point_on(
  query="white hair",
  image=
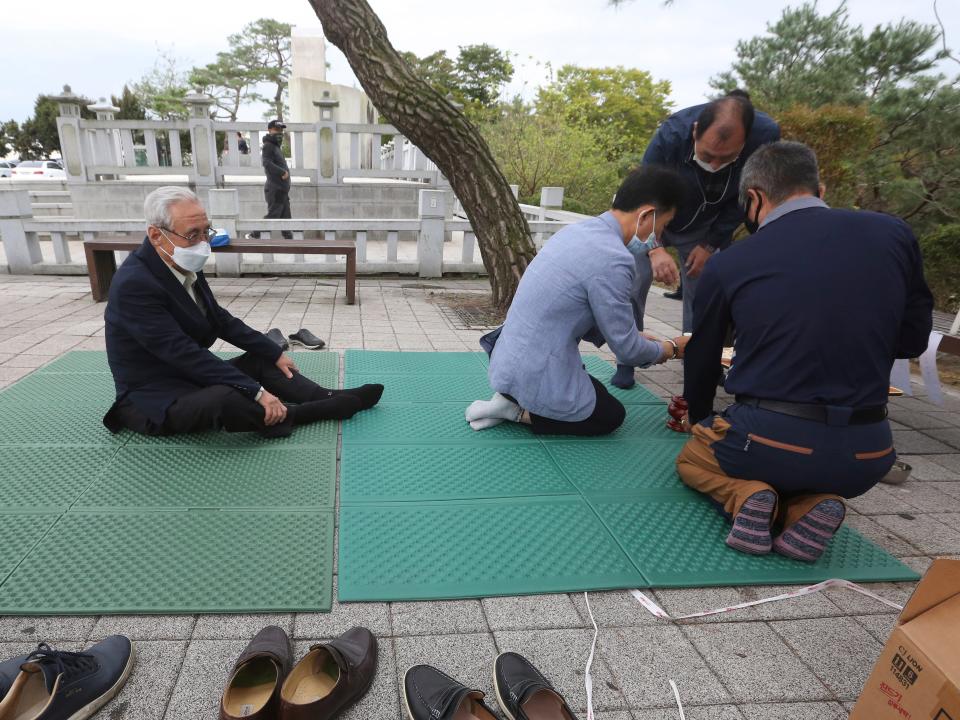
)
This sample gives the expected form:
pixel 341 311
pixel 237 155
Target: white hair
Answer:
pixel 156 206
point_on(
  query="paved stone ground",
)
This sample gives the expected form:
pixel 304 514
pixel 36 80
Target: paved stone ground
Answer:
pixel 804 658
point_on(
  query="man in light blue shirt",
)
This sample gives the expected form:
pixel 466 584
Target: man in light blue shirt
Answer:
pixel 581 280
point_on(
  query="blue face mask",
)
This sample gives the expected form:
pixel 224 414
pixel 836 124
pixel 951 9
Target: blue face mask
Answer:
pixel 638 247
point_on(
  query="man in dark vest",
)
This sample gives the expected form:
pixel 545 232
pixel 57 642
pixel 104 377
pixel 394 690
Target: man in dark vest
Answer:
pixel 276 190
pixel 821 302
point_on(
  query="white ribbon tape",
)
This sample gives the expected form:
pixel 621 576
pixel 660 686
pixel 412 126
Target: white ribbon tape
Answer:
pixel 587 677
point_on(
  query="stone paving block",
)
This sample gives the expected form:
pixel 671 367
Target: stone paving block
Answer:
pixel 754 663
pixel 795 711
pixel 882 536
pixel 382 700
pixel 927 497
pixel 613 608
pixel 914 441
pixel 531 611
pixel 466 658
pixel 925 532
pixel 919 420
pixel 839 651
pixel 950 436
pixel 145 627
pixel 437 617
pixel 853 603
pixel 238 627
pixel 15 649
pixel 203 675
pixel 148 688
pixel 643 659
pixel 373 616
pixel 879 626
pixel 879 500
pixel 949 461
pixel 38 629
pixel 685 601
pixel 808 606
pixel 561 655
pixel 707 712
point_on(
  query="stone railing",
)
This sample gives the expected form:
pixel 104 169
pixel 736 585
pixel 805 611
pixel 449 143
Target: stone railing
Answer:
pixel 429 245
pixel 203 152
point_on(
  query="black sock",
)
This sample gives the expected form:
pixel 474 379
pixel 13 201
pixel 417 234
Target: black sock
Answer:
pixel 369 395
pixel 337 407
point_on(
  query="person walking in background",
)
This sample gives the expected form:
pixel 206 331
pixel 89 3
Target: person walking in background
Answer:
pixel 276 190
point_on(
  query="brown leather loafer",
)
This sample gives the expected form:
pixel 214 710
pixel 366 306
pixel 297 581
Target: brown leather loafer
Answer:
pixel 330 677
pixel 253 692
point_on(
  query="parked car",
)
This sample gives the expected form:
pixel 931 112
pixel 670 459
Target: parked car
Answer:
pixel 38 170
pixel 6 167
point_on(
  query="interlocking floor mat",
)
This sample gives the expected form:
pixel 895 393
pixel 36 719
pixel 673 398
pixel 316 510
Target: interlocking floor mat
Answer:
pixel 431 509
pixel 95 523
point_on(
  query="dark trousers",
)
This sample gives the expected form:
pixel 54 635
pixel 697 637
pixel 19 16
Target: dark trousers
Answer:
pixel 607 416
pixel 278 206
pixel 220 407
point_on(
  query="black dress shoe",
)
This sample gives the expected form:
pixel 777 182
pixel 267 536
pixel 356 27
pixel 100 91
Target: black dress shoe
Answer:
pixel 307 339
pixel 675 294
pixel 429 694
pixel 524 693
pixel 277 336
pixel 253 690
pixel 60 685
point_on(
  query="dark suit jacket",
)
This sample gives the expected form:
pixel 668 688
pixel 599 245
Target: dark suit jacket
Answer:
pixel 157 338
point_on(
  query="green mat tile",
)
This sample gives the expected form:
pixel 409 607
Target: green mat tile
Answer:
pixel 18 534
pixel 55 424
pixel 477 549
pixel 385 362
pixel 425 423
pixel 423 388
pixel 143 478
pixel 422 472
pixel 603 371
pixel 176 562
pixel 643 422
pixel 320 434
pixel 626 466
pixel 78 361
pixel 314 363
pixel 36 477
pixel 678 541
pixel 59 388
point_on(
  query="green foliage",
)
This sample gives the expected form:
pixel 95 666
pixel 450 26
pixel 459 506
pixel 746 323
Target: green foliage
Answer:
pixel 941 261
pixel 534 149
pixel 37 136
pixel 438 70
pixel 228 81
pixel 8 133
pixel 129 104
pixel 161 91
pixel 262 51
pixel 622 106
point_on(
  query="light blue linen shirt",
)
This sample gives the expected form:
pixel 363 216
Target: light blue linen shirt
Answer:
pixel 581 279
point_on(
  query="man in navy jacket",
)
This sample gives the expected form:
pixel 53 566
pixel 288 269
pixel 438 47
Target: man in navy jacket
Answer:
pixel 821 302
pixel 708 145
pixel 162 317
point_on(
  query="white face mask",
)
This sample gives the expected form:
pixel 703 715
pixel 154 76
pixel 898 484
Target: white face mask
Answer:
pixel 190 258
pixel 707 166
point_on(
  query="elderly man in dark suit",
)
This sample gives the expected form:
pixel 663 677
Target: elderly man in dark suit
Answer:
pixel 162 317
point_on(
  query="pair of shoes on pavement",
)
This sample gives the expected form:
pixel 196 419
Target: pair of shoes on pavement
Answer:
pixel 266 685
pixel 301 337
pixel 51 684
pixel 522 691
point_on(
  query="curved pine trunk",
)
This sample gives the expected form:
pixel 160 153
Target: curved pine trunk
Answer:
pixel 438 128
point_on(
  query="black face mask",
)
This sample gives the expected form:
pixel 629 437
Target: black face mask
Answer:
pixel 752 225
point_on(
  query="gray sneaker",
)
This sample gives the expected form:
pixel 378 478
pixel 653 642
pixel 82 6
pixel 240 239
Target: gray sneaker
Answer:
pixel 307 339
pixel 277 336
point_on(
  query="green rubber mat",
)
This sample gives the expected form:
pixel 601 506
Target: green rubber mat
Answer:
pixel 678 541
pixel 477 549
pixel 431 509
pixel 38 477
pixel 176 562
pixel 142 478
pixel 97 523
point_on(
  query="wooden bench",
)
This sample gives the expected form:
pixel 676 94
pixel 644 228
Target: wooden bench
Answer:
pixel 102 264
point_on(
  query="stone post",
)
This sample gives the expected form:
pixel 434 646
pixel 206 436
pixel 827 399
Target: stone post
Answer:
pixel 224 208
pixel 551 198
pixel 202 140
pixel 106 143
pixel 432 211
pixel 327 142
pixel 22 249
pixel 68 128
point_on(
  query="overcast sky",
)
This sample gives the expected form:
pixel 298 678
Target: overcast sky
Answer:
pixel 98 45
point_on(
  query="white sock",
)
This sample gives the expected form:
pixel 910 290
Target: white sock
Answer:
pixel 485 423
pixel 496 407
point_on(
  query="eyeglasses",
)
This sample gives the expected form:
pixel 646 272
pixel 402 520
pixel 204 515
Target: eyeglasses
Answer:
pixel 193 238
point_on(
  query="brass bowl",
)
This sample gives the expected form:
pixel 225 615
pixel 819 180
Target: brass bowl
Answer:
pixel 898 473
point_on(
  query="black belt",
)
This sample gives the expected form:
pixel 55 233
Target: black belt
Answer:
pixel 826 414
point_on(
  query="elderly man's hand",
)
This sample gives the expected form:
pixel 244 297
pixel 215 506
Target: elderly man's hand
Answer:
pixel 287 366
pixel 664 268
pixel 274 411
pixel 696 260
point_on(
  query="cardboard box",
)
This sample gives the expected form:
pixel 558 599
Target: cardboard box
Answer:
pixel 917 676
